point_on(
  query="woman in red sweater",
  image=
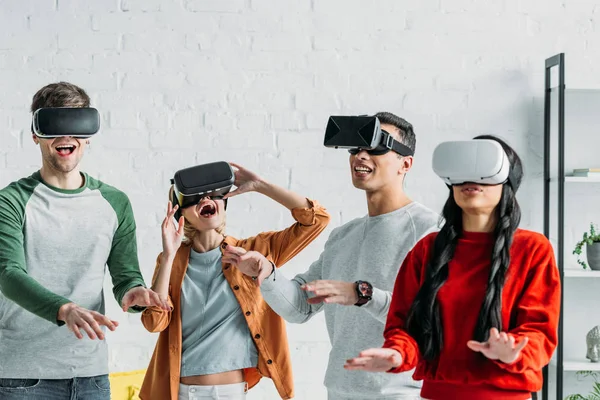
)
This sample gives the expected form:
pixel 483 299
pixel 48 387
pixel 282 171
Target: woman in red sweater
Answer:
pixel 475 306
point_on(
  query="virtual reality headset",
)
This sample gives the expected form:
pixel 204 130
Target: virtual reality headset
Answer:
pixel 480 161
pixel 362 132
pixel 56 122
pixel 191 185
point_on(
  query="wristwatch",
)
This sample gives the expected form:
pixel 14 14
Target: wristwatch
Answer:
pixel 365 291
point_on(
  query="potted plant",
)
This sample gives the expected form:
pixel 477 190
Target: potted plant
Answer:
pixel 592 241
pixel 595 393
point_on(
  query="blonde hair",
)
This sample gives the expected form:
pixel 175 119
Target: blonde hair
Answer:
pixel 189 232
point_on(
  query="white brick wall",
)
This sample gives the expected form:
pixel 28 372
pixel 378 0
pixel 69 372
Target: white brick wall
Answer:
pixel 253 81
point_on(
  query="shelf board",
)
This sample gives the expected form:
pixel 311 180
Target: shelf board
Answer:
pixel 584 179
pixel 581 273
pixel 578 90
pixel 580 364
pixel 573 364
pixel 579 179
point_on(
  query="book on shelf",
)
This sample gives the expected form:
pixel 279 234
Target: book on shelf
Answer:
pixel 586 172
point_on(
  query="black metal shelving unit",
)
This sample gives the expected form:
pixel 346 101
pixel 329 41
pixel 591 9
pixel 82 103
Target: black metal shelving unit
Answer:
pixel 557 61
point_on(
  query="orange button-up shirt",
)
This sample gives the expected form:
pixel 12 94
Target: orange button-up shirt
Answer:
pixel 267 328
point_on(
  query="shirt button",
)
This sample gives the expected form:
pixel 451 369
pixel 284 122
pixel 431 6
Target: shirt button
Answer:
pixel 269 361
pixel 248 313
pixel 236 287
pixel 257 336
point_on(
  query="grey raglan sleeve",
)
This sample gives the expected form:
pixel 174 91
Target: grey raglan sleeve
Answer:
pixel 286 297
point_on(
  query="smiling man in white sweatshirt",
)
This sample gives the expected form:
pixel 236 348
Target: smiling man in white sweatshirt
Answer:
pixel 353 278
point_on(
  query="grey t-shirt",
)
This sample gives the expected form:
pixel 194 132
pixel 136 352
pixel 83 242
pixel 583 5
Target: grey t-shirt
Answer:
pixel 215 334
pixel 370 249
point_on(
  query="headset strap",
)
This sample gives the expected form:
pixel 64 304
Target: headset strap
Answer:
pixel 393 144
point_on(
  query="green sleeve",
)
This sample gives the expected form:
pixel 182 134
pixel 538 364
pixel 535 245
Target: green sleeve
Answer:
pixel 123 263
pixel 15 284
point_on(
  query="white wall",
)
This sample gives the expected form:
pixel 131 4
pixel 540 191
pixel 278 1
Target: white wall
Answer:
pixel 181 82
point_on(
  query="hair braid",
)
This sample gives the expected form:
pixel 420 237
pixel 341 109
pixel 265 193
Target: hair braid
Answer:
pixel 424 321
pixel 509 216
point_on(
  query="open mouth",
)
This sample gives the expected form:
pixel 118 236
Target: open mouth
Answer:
pixel 208 210
pixel 65 149
pixel 362 170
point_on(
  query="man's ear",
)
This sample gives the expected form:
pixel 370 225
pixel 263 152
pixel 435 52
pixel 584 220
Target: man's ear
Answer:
pixel 406 164
pixel 35 138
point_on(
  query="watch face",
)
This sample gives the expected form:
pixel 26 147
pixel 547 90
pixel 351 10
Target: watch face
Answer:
pixel 364 288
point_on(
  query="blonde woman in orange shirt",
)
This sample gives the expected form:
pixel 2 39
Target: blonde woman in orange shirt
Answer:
pixel 220 337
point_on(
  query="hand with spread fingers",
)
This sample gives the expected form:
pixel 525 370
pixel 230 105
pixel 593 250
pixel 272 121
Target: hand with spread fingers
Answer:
pixel 332 292
pixel 77 318
pixel 499 346
pixel 245 181
pixel 171 235
pixel 251 263
pixel 143 297
pixel 375 360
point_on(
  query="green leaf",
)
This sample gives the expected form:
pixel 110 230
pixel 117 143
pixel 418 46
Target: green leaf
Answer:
pixel 575 397
pixel 595 394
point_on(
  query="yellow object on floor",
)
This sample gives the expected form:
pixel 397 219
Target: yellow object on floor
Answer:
pixel 126 385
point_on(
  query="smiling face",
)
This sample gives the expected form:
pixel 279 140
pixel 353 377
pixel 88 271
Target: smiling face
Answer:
pixel 372 173
pixel 61 154
pixel 477 199
pixel 206 215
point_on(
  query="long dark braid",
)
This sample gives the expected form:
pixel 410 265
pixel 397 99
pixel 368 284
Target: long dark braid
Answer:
pixel 508 214
pixel 423 322
pixel 509 217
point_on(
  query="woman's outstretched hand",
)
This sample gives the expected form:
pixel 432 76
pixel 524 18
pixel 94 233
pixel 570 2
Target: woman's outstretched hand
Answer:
pixel 499 346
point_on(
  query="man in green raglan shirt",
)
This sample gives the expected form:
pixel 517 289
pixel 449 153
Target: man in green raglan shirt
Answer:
pixel 59 229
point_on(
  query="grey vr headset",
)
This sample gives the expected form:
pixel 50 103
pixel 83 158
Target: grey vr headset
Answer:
pixel 480 161
pixel 53 122
pixel 191 185
pixel 362 132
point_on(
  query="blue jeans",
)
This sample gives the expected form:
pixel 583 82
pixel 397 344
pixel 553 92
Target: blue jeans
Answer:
pixel 92 388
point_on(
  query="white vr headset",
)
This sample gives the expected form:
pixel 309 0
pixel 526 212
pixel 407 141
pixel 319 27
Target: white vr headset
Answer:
pixel 481 161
